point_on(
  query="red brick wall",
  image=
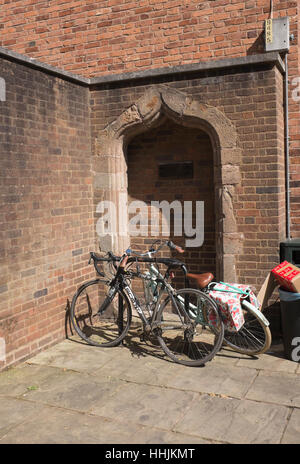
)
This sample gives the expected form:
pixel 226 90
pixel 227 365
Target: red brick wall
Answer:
pixel 46 213
pixel 47 209
pixel 261 197
pixel 92 38
pixel 116 36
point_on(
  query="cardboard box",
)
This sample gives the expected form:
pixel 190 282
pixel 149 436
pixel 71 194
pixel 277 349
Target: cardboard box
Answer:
pixel 287 275
pixel 266 290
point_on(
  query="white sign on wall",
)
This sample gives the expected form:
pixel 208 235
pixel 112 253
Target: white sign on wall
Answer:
pixel 2 90
pixel 2 349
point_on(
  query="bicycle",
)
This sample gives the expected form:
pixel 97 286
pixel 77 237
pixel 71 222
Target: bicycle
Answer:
pixel 254 337
pixel 104 320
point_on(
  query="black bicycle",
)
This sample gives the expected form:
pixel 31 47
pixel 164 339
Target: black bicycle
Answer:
pixel 101 309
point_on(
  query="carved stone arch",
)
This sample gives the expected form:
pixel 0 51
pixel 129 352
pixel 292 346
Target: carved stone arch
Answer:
pixel 160 102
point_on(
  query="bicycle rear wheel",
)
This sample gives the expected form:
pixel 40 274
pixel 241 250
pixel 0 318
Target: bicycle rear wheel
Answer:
pixel 98 319
pixel 189 327
pixel 253 338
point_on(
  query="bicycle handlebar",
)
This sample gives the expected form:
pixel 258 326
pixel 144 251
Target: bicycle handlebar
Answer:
pixel 130 256
pixel 175 247
pixel 151 251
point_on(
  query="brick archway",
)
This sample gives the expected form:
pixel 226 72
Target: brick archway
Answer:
pixel 110 176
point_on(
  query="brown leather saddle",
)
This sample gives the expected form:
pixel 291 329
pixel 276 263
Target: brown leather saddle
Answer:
pixel 202 280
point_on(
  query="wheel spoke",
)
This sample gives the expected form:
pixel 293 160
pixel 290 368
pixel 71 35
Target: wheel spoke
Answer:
pixel 191 340
pixel 253 338
pixel 107 328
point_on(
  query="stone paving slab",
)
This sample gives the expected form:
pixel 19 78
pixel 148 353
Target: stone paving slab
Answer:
pixel 21 379
pixel 234 421
pixel 44 424
pixel 273 387
pixel 271 362
pixel 147 370
pixel 146 405
pixel 14 412
pixel 57 426
pixel 148 435
pixel 75 355
pixel 292 432
pixel 75 393
pixel 215 378
pixel 228 357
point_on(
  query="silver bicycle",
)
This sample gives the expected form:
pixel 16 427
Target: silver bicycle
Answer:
pixel 101 309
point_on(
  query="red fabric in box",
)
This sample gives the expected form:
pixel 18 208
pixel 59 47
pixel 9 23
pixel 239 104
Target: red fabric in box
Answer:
pixel 288 276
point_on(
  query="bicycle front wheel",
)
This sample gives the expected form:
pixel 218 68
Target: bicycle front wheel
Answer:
pixel 253 338
pixel 189 327
pixel 100 320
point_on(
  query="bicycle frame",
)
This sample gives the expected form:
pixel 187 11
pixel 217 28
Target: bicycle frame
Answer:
pixel 119 281
pixel 123 285
pixel 192 311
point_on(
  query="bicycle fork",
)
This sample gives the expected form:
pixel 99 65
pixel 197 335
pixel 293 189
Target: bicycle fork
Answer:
pixel 107 300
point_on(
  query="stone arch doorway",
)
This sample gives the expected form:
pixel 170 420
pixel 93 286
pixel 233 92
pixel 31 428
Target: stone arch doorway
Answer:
pixel 110 177
pixel 173 163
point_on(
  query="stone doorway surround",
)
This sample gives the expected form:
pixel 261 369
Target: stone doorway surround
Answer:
pixel 160 102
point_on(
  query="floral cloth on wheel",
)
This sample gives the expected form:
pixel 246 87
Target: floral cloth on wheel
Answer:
pixel 229 303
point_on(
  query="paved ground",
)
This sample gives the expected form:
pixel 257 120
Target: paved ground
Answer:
pixel 74 393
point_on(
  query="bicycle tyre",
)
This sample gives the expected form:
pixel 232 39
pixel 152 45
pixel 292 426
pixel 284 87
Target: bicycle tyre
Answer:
pixel 193 348
pixel 106 329
pixel 253 338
